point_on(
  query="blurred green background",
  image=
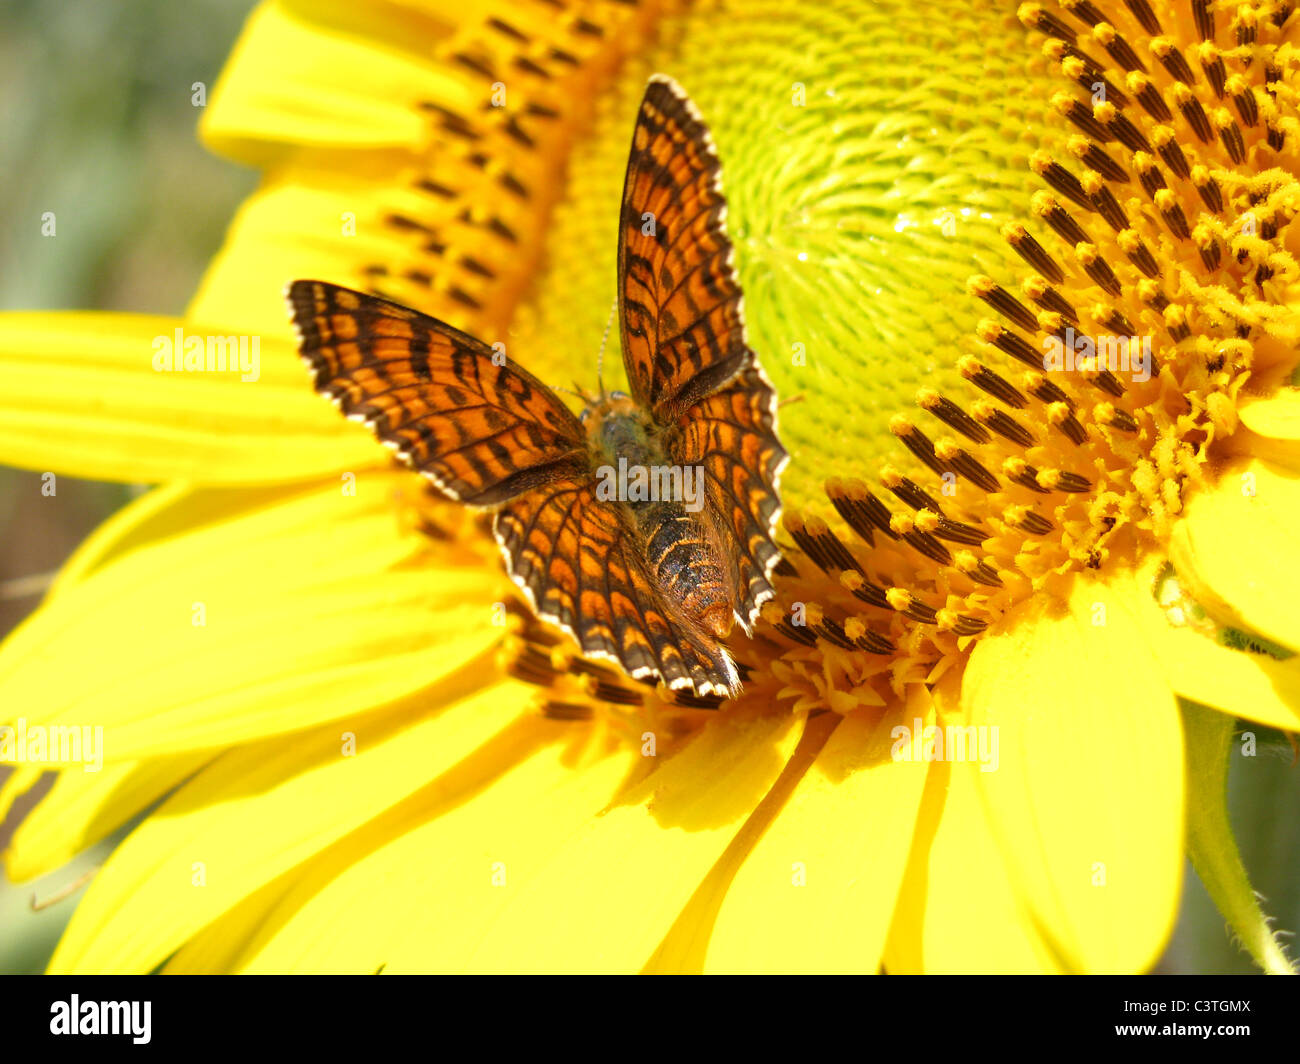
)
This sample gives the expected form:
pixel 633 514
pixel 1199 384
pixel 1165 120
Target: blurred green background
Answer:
pixel 96 124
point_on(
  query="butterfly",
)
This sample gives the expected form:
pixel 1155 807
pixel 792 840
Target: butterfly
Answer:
pixel 644 527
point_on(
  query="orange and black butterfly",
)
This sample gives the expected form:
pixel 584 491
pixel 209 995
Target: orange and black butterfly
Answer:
pixel 644 527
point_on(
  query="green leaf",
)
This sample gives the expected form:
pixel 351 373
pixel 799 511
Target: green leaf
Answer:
pixel 1210 842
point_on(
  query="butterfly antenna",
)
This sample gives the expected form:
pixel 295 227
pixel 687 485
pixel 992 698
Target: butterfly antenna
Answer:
pixel 569 391
pixel 600 358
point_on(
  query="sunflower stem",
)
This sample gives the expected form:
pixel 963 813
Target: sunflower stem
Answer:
pixel 1210 842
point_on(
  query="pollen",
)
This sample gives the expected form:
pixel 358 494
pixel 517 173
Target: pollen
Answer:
pixel 1158 266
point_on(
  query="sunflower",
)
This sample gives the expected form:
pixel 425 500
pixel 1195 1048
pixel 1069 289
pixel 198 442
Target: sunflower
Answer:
pixel 1032 573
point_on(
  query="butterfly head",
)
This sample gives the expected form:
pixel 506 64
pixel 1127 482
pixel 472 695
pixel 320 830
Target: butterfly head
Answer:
pixel 600 414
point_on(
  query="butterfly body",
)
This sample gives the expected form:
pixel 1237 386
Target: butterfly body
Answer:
pixel 644 528
pixel 663 503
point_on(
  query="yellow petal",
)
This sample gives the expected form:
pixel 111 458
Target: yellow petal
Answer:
pixel 684 947
pixel 165 511
pixel 216 948
pixel 957 912
pixel 256 813
pixel 1276 417
pixel 823 879
pixel 84 807
pixel 608 895
pixel 290 614
pixel 82 397
pixel 1238 682
pixel 348 91
pixel 1250 513
pixel 1087 801
pixel 339 227
pixel 443 882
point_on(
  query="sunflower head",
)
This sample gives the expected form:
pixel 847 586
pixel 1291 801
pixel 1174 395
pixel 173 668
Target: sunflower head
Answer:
pixel 1024 281
pixel 1053 310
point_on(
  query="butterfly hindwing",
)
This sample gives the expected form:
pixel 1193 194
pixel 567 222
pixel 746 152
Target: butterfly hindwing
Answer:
pixel 731 434
pixel 482 432
pixel 682 322
pixel 574 559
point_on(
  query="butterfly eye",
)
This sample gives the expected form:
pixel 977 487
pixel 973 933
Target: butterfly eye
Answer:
pixel 586 412
pixel 619 395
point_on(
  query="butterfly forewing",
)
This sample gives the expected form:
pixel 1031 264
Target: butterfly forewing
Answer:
pixel 482 432
pixel 683 329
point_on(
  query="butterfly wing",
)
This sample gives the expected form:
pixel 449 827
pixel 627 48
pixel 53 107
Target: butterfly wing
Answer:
pixel 732 435
pixel 580 568
pixel 682 323
pixel 684 335
pixel 482 432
